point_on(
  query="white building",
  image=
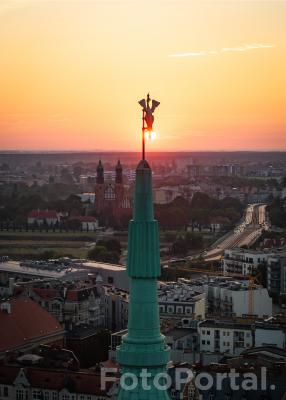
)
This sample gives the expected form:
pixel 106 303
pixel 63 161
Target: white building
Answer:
pixel 276 274
pixel 179 301
pixel 232 299
pixel 87 197
pixel 224 337
pixel 111 274
pixel 40 269
pixel 269 335
pixel 88 223
pixel 243 262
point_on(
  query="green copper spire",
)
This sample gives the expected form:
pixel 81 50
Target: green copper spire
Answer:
pixel 143 347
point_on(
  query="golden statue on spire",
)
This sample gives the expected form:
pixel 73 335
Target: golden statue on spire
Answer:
pixel 148 118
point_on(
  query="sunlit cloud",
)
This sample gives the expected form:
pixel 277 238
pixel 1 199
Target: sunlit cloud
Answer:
pixel 243 48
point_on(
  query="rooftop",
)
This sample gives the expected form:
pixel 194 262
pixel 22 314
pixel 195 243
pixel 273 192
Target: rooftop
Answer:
pixel 22 321
pixel 41 269
pixel 210 323
pixel 76 382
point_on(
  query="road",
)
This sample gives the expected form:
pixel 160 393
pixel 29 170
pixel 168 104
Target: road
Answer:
pixel 246 233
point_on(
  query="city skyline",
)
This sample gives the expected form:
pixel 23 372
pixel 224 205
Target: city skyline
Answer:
pixel 72 73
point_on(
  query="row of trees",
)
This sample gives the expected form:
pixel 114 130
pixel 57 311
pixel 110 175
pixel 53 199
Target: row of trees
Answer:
pixel 199 211
pixel 16 204
pixel 188 242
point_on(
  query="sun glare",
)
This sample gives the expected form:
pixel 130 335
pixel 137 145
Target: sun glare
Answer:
pixel 150 135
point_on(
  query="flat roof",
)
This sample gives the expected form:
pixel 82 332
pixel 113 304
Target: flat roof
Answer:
pixel 224 324
pixel 106 266
pixel 15 267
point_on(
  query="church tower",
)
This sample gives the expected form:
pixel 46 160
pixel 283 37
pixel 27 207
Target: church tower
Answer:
pixel 99 188
pixel 119 187
pixel 143 347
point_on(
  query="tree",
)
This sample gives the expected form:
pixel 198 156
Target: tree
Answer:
pixel 110 244
pixel 101 254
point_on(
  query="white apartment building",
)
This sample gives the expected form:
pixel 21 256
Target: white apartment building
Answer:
pixel 276 274
pixel 224 337
pixel 269 335
pixel 232 299
pixel 180 301
pixel 243 262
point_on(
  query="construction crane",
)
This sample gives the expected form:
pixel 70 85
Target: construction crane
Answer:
pixel 254 279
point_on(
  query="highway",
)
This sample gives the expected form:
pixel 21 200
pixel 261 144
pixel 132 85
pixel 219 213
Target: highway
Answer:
pixel 245 234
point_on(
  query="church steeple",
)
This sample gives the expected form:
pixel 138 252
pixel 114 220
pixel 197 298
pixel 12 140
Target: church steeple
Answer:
pixel 143 348
pixel 100 173
pixel 118 173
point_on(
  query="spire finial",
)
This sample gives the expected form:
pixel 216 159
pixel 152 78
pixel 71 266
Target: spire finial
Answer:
pixel 148 117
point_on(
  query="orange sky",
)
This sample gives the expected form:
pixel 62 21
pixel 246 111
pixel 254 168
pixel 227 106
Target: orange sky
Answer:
pixel 72 71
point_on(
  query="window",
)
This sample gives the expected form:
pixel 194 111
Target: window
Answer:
pixel 170 309
pixel 203 332
pixel 208 342
pixel 19 394
pixel 203 342
pixel 37 395
pixel 109 194
pixel 47 396
pixel 5 391
pixel 208 332
pixel 179 310
pixel 55 396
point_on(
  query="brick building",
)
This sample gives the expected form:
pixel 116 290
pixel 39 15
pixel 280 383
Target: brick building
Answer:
pixel 112 198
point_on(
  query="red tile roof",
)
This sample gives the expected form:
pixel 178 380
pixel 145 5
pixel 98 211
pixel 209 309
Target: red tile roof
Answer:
pixel 42 214
pixel 26 323
pixel 47 293
pixel 76 294
pixel 75 382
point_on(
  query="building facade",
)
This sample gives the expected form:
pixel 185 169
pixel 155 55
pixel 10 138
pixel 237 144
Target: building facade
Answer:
pixel 112 198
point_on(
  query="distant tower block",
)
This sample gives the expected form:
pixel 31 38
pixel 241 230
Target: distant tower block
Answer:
pixel 99 188
pixel 119 187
